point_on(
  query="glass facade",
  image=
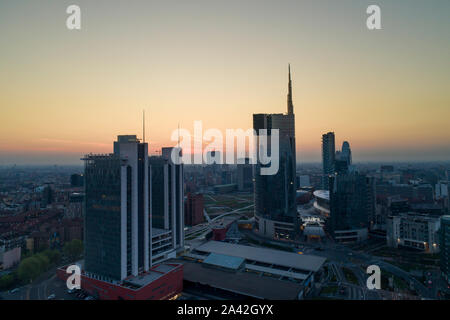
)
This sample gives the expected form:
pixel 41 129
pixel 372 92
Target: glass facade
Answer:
pixel 445 246
pixel 275 194
pixel 352 202
pixel 103 216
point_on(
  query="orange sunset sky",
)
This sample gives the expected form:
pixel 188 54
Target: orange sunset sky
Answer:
pixel 66 93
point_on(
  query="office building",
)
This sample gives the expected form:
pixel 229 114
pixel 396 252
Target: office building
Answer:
pixel 328 158
pixel 444 243
pixel 275 205
pixel 245 176
pixel 193 209
pixel 352 206
pixel 123 252
pixel 412 230
pixel 167 201
pixel 346 153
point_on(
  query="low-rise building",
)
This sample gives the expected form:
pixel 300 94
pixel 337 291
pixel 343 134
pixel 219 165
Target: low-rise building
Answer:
pixel 418 231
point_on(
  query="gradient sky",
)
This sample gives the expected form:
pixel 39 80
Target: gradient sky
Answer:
pixel 66 93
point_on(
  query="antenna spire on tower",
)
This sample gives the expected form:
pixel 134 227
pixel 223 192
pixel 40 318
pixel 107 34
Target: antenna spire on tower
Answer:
pixel 143 125
pixel 290 105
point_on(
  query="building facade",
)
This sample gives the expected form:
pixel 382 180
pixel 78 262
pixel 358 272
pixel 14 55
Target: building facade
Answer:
pixel 275 195
pixel 193 209
pixel 412 230
pixel 120 240
pixel 328 158
pixel 352 206
pixel 444 243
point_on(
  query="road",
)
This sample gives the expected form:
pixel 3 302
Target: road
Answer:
pixel 41 289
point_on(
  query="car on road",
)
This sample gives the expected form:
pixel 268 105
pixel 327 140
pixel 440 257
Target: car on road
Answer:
pixel 70 291
pixel 51 297
pixel 14 290
pixel 89 298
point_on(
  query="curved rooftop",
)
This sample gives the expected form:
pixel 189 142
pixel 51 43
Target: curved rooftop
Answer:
pixel 322 194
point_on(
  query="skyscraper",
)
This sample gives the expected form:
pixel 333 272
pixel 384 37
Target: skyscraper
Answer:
pixel 328 158
pixel 244 174
pixel 167 197
pixel 118 229
pixel 275 207
pixel 352 206
pixel 346 153
pixel 444 243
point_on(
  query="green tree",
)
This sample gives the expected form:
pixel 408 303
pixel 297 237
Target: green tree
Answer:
pixel 52 255
pixel 43 260
pixel 73 249
pixel 29 269
pixel 7 281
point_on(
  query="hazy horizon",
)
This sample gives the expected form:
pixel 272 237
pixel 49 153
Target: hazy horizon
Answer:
pixel 69 93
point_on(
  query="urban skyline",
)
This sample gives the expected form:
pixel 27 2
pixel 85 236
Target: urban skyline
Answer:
pixel 224 151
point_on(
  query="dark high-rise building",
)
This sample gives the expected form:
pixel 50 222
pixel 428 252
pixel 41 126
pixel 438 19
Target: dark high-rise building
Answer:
pixel 245 176
pixel 444 239
pixel 328 158
pixel 193 209
pixel 340 166
pixel 343 159
pixel 117 225
pixel 76 180
pixel 275 206
pixel 47 196
pixel 167 196
pixel 120 240
pixel 352 206
pixel 346 153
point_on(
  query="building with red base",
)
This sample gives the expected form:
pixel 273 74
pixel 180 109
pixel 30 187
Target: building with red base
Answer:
pixel 162 282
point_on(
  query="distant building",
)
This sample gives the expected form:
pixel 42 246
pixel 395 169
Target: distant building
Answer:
pixel 346 153
pixel 387 168
pixel 193 209
pixel 245 176
pixel 77 180
pixel 444 242
pixel 328 158
pixel 304 181
pixel 352 206
pixel 303 197
pixel 74 208
pixel 9 257
pixel 322 202
pixel 413 230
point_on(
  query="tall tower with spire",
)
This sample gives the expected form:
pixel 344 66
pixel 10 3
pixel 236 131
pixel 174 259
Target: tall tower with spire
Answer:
pixel 290 105
pixel 275 195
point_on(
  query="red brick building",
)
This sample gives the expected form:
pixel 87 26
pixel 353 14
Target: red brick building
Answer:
pixel 193 209
pixel 161 282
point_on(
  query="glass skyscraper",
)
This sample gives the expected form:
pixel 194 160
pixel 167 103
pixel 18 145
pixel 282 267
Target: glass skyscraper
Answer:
pixel 275 206
pixel 120 240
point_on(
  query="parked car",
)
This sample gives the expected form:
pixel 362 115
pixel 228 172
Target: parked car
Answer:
pixel 51 297
pixel 14 290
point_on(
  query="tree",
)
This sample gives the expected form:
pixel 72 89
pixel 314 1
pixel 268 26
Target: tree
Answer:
pixel 43 260
pixel 7 281
pixel 52 255
pixel 73 249
pixel 29 269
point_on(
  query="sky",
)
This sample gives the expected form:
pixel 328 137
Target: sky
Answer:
pixel 65 93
